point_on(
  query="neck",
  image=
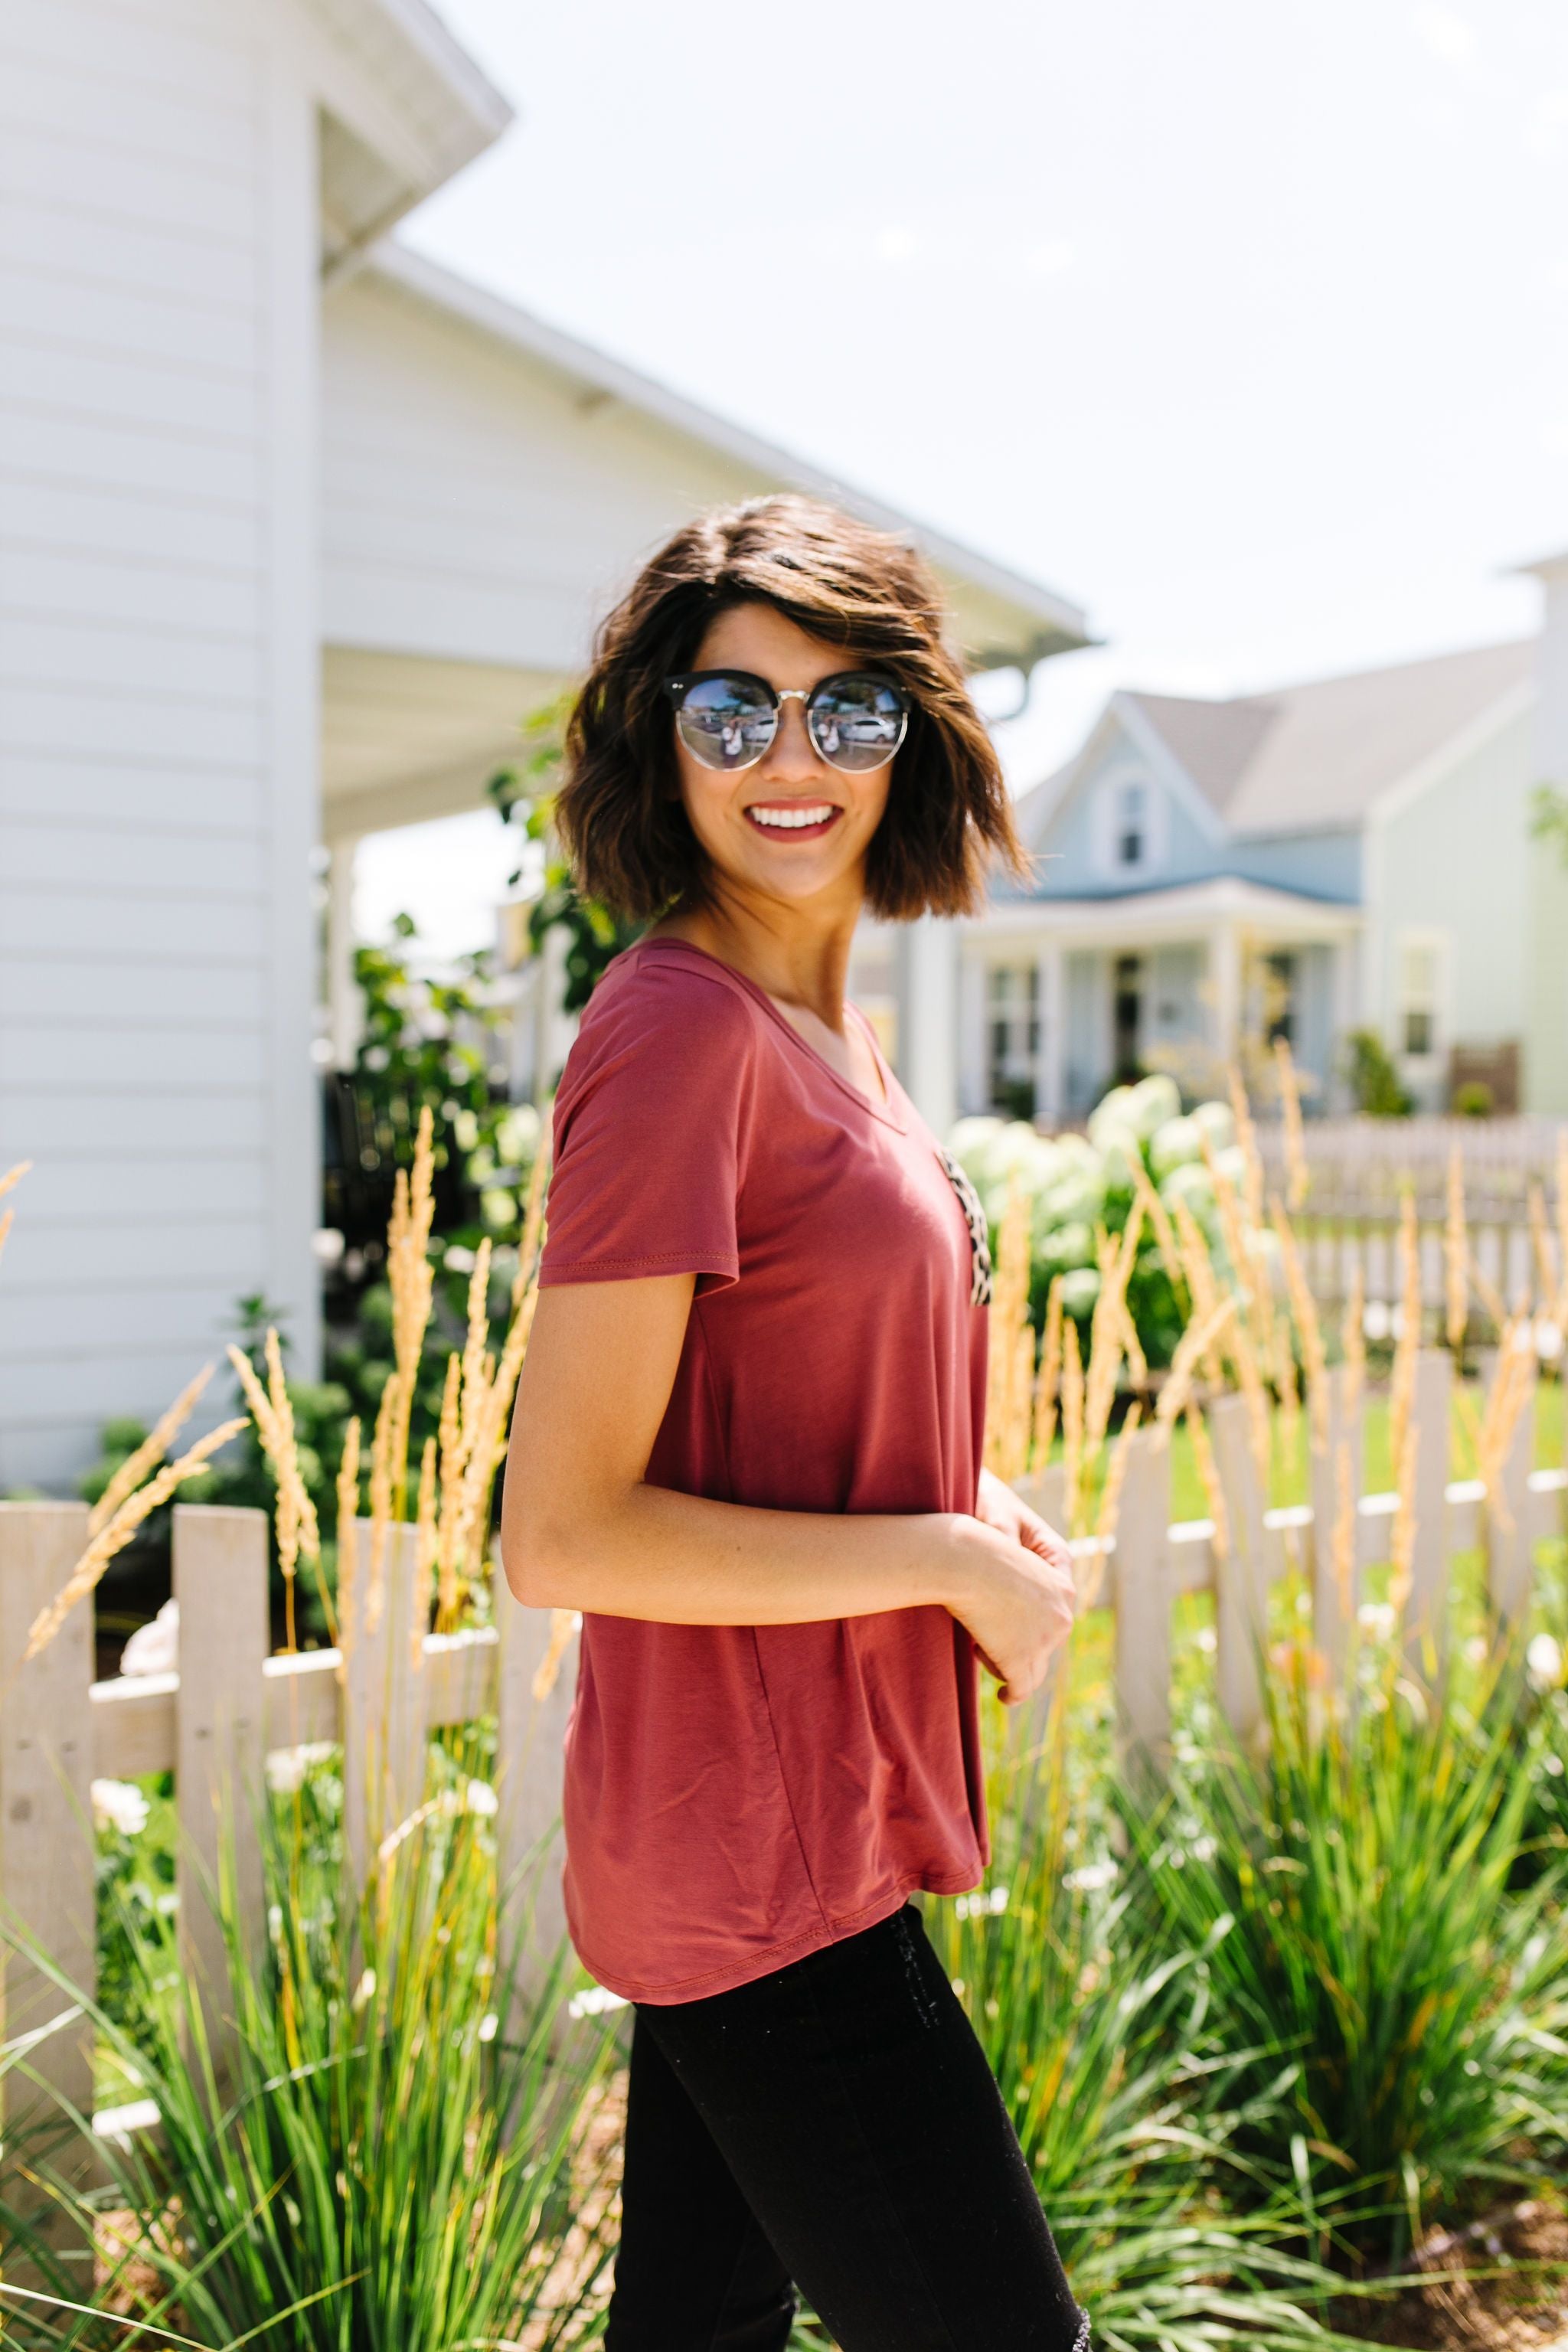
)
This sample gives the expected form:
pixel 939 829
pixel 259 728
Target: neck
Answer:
pixel 798 954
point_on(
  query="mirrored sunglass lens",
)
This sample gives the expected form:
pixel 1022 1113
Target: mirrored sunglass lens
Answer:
pixel 726 723
pixel 858 722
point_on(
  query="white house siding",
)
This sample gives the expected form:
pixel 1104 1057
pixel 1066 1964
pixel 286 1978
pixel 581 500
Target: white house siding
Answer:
pixel 157 261
pixel 1449 863
pixel 479 504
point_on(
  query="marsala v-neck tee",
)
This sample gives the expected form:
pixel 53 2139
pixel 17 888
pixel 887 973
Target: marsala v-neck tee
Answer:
pixel 737 1796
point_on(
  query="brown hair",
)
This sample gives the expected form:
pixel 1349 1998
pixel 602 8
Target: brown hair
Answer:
pixel 619 810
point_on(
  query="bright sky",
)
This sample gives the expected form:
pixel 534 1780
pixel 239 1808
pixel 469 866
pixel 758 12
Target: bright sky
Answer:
pixel 1246 326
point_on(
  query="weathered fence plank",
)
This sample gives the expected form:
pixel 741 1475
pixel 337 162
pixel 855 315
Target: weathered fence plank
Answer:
pixel 531 1733
pixel 1509 1527
pixel 47 1891
pixel 1335 1472
pixel 1425 1628
pixel 384 1724
pixel 220 1583
pixel 1240 1574
pixel 1141 1592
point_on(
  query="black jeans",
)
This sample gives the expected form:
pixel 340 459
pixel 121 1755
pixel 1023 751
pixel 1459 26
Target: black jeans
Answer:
pixel 835 2123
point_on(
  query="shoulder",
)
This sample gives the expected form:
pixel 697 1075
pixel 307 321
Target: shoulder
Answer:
pixel 675 1012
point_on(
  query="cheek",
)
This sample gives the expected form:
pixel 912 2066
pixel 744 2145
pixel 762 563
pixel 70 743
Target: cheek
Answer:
pixel 704 795
pixel 873 797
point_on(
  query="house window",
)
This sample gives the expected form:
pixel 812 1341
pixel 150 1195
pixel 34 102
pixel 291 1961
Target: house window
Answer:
pixel 1279 998
pixel 1127 1018
pixel 1420 998
pixel 1131 826
pixel 1013 1034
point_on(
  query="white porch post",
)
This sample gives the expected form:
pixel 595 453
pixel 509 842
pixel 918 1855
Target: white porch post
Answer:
pixel 928 1018
pixel 344 1008
pixel 973 1092
pixel 1344 1012
pixel 1050 1083
pixel 1225 989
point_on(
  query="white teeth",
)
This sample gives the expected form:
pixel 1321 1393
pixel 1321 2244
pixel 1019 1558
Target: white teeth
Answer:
pixel 791 820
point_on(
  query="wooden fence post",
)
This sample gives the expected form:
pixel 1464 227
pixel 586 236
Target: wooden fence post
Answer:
pixel 1426 1629
pixel 1140 1597
pixel 1511 1546
pixel 220 1583
pixel 48 1872
pixel 529 1737
pixel 1241 1585
pixel 383 1701
pixel 1333 1611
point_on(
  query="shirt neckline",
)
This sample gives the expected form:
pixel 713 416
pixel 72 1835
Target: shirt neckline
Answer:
pixel 884 1111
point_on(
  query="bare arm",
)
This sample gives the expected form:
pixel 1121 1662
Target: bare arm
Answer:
pixel 580 1529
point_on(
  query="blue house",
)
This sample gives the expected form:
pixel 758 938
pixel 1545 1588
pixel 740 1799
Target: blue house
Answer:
pixel 1354 852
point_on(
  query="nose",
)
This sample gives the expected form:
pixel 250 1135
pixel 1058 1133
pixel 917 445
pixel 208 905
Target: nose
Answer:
pixel 791 751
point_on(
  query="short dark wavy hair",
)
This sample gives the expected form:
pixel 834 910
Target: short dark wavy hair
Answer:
pixel 619 813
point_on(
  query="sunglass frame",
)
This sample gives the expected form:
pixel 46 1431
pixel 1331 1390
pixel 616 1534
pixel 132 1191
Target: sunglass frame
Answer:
pixel 677 689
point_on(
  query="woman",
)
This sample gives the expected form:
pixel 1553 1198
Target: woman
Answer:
pixel 747 1448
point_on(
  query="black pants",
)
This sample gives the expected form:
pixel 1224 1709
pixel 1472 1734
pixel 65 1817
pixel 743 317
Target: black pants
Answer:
pixel 833 2124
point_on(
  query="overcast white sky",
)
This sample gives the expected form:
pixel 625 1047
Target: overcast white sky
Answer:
pixel 1246 326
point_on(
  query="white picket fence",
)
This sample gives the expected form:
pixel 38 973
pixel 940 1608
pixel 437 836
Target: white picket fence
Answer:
pixel 1150 1563
pixel 212 1723
pixel 231 1703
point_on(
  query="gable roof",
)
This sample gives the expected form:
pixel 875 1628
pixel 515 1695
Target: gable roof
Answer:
pixel 1315 757
pixel 1007 618
pixel 1213 742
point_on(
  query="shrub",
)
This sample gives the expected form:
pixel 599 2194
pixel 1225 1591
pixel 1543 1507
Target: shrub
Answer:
pixel 1363 1870
pixel 1373 1079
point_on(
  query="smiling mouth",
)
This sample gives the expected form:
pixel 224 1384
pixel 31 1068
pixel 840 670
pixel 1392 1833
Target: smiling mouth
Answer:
pixel 793 820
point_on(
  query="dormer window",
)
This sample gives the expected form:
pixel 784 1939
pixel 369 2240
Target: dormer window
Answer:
pixel 1129 827
pixel 1131 834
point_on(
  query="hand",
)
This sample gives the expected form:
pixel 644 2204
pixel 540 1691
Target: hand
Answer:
pixel 1015 1589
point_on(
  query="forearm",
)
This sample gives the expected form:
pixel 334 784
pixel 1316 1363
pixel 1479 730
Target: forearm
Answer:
pixel 682 1559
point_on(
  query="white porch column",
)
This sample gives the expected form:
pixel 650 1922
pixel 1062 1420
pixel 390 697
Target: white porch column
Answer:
pixel 345 1010
pixel 1344 1014
pixel 1050 1082
pixel 928 1018
pixel 973 1090
pixel 1225 989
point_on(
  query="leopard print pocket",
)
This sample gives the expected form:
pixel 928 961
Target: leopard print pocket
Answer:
pixel 979 1233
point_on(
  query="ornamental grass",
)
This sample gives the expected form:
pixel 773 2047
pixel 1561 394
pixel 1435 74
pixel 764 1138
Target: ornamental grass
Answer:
pixel 374 2140
pixel 1382 1982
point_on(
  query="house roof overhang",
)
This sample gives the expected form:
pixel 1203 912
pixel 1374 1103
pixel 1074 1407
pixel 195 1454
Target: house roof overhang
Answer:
pixel 427 110
pixel 1007 619
pixel 1159 917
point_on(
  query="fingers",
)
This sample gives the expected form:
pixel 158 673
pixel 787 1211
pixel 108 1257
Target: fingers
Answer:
pixel 1044 1541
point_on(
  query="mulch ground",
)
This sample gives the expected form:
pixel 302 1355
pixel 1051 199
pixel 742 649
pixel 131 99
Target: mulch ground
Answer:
pixel 1503 2287
pixel 1499 2285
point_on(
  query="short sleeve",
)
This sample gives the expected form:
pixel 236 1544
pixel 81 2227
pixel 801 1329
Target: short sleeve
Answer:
pixel 648 1131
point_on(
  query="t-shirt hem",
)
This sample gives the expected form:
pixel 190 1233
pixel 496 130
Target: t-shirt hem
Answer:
pixel 778 1956
pixel 617 1270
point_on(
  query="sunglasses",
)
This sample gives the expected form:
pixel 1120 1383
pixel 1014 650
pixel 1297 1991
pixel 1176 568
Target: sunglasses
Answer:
pixel 728 718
